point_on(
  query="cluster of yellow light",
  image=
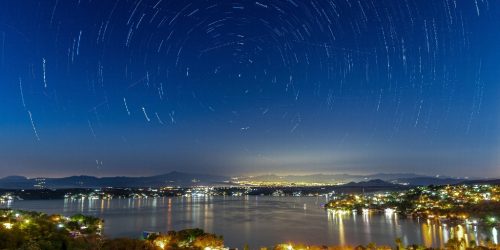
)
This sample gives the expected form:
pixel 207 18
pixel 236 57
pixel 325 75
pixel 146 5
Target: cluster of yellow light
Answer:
pixel 451 196
pixel 8 225
pixel 429 203
pixel 298 246
pixel 160 243
pixel 21 220
pixel 282 183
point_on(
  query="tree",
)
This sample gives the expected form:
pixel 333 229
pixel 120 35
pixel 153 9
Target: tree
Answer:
pixel 208 240
pixel 127 244
pixel 399 244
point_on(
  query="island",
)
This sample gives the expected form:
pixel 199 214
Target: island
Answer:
pixel 471 204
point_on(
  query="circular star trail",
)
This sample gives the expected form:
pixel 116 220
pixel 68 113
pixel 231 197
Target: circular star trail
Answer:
pixel 245 87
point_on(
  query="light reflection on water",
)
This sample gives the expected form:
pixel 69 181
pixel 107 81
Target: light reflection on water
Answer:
pixel 259 221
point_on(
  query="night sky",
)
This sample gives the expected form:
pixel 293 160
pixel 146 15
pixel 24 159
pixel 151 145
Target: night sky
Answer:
pixel 140 87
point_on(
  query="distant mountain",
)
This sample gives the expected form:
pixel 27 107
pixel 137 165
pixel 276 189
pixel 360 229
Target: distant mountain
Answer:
pixel 16 182
pixel 14 178
pixel 426 181
pixel 371 183
pixel 169 179
pixel 190 179
pixel 482 182
pixel 334 179
pixel 387 177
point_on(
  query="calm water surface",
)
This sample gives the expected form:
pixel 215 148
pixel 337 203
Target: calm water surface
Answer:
pixel 257 220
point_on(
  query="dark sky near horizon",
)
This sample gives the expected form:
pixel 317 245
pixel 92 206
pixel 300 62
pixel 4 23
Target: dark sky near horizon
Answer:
pixel 140 87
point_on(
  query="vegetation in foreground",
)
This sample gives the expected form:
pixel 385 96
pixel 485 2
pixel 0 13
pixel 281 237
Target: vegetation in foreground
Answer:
pixel 452 244
pixel 33 230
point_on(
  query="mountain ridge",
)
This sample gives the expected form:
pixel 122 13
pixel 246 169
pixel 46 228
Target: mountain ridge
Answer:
pixel 184 179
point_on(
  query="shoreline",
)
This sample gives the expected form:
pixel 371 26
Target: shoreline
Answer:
pixel 85 231
pixel 379 217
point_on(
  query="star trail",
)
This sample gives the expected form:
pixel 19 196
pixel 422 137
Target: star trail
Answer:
pixel 139 87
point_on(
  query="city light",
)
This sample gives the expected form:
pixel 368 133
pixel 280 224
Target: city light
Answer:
pixel 160 244
pixel 389 211
pixel 441 203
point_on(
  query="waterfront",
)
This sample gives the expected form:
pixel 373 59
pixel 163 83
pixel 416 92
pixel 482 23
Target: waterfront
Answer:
pixel 256 220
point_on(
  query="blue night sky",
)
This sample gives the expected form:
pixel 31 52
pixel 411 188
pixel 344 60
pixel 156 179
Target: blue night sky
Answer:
pixel 140 87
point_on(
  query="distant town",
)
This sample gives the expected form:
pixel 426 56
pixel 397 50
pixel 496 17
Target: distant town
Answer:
pixel 196 191
pixel 196 185
pixel 182 179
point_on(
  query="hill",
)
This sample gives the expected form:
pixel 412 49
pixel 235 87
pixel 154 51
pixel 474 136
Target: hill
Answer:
pixel 169 179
